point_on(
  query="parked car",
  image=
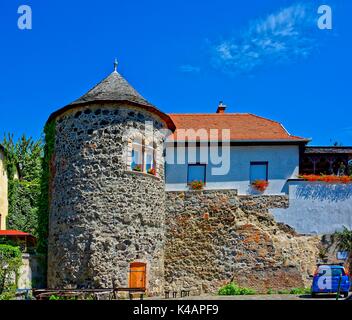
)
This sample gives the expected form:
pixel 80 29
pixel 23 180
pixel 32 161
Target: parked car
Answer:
pixel 327 277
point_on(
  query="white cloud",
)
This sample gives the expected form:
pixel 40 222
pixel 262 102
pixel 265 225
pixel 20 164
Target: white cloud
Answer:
pixel 188 68
pixel 280 37
pixel 348 130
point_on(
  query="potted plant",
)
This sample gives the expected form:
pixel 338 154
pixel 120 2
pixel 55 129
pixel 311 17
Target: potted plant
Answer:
pixel 152 171
pixel 260 185
pixel 137 168
pixel 197 185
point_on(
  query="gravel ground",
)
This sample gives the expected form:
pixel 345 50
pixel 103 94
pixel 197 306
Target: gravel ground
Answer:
pixel 262 297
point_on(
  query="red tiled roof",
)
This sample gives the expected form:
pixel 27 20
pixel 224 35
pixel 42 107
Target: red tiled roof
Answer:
pixel 13 233
pixel 243 127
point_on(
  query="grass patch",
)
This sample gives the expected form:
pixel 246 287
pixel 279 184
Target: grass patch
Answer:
pixel 300 291
pixel 290 291
pixel 233 289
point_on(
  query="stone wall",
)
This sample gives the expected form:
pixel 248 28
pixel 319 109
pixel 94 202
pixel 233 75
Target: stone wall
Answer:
pixel 214 237
pixel 103 217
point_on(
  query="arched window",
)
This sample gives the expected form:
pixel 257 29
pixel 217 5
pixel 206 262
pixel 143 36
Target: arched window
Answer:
pixel 142 155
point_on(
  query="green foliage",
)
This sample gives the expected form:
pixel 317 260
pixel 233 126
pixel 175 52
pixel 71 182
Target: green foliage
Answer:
pixel 43 213
pixel 293 291
pixel 284 291
pixel 344 239
pixel 231 289
pixel 290 291
pixel 24 169
pixel 270 291
pixel 56 297
pixel 10 262
pixel 300 291
pixel 349 168
pixel 344 243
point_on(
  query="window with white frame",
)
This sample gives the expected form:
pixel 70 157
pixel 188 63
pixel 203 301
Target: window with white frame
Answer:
pixel 149 157
pixel 137 154
pixel 143 156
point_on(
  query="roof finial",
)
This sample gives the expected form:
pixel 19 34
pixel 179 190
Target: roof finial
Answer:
pixel 115 65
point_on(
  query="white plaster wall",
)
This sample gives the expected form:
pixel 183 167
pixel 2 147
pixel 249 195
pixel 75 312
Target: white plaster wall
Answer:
pixel 283 164
pixel 317 208
pixel 31 273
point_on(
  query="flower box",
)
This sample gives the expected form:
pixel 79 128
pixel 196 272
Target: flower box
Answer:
pixel 260 185
pixel 197 185
pixel 137 168
pixel 326 178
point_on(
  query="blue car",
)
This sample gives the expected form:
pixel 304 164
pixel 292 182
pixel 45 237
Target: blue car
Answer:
pixel 326 280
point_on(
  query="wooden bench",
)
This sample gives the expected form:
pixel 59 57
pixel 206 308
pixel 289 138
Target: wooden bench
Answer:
pixel 131 292
pixel 45 294
pixel 184 293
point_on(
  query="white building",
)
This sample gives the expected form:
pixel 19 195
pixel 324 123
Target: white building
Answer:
pixel 231 151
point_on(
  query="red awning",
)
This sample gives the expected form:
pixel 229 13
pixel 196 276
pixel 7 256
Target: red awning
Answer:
pixel 15 233
pixel 19 235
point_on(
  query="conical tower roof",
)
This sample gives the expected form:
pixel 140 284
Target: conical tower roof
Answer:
pixel 114 88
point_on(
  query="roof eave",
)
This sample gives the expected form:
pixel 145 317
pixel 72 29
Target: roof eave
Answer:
pixel 149 107
pixel 276 141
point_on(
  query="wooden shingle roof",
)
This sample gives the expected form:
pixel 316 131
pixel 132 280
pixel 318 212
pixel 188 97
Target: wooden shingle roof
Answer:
pixel 114 88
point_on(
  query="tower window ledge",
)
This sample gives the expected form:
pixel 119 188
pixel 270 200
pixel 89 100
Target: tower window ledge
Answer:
pixel 142 174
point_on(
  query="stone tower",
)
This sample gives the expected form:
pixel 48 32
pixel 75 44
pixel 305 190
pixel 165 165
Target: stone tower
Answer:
pixel 107 195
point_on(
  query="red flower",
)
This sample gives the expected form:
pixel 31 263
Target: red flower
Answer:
pixel 260 185
pixel 326 178
pixel 152 171
pixel 197 185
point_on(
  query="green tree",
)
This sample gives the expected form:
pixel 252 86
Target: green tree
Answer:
pixel 10 262
pixel 350 168
pixel 24 169
pixel 343 240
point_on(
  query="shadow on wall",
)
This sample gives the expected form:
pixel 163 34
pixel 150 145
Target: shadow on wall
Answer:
pixel 324 191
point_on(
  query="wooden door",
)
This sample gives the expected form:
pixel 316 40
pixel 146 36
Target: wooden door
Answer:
pixel 138 275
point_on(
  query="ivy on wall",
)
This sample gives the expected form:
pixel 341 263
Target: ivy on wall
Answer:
pixel 24 171
pixel 44 203
pixel 10 263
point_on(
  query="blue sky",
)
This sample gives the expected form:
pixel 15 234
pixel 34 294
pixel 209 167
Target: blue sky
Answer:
pixel 263 57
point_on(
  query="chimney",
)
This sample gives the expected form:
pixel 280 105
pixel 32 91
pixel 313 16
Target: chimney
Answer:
pixel 221 108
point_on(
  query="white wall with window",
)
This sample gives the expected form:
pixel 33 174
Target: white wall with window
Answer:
pixel 259 171
pixel 281 161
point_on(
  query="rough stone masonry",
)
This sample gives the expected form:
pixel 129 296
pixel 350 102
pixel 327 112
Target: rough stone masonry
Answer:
pixel 102 217
pixel 214 237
